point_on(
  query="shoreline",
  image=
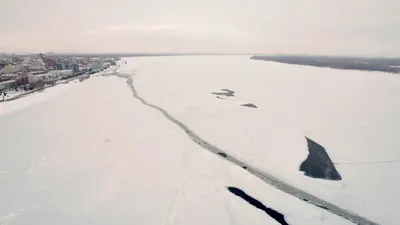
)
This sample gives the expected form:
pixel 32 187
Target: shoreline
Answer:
pixel 384 65
pixel 27 93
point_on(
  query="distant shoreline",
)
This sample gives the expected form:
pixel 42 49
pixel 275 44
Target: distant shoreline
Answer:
pixel 26 93
pixel 386 65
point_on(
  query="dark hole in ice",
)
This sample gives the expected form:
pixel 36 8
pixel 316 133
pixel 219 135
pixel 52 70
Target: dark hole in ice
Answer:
pixel 250 105
pixel 304 199
pixel 222 154
pixel 226 92
pixel 322 207
pixel 279 217
pixel 318 164
pixel 244 167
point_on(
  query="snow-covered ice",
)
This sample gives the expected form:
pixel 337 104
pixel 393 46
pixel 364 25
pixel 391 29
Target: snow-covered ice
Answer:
pixel 353 114
pixel 95 155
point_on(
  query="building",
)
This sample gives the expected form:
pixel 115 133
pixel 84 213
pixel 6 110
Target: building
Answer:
pixel 63 66
pixel 96 65
pixel 49 63
pixel 55 74
pixel 82 61
pixel 36 65
pixel 7 84
pixel 8 69
pixel 20 68
pixel 2 65
pixel 33 78
pixel 73 61
pixel 22 80
pixel 75 68
pixel 6 77
pixel 59 66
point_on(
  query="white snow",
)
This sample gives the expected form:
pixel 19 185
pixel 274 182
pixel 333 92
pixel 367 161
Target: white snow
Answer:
pixel 96 155
pixel 353 114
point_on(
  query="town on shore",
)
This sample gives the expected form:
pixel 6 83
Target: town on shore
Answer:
pixel 26 73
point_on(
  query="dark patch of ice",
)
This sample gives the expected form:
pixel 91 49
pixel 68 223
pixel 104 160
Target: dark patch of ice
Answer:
pixel 279 217
pixel 222 154
pixel 227 93
pixel 244 167
pixel 304 199
pixel 250 105
pixel 318 164
pixel 322 207
pixel 219 97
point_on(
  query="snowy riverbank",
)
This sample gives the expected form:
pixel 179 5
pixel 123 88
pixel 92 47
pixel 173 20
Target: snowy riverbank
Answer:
pixel 13 95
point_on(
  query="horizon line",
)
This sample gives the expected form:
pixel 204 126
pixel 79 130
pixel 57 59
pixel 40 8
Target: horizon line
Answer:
pixel 187 54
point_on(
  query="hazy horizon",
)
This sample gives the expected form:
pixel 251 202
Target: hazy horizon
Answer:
pixel 356 28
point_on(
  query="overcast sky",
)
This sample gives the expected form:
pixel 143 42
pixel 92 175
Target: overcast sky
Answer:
pixel 344 27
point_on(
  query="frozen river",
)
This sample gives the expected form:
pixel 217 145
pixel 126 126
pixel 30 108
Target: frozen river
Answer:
pixel 90 153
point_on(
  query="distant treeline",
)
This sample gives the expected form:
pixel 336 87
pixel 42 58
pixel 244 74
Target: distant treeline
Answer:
pixel 389 65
